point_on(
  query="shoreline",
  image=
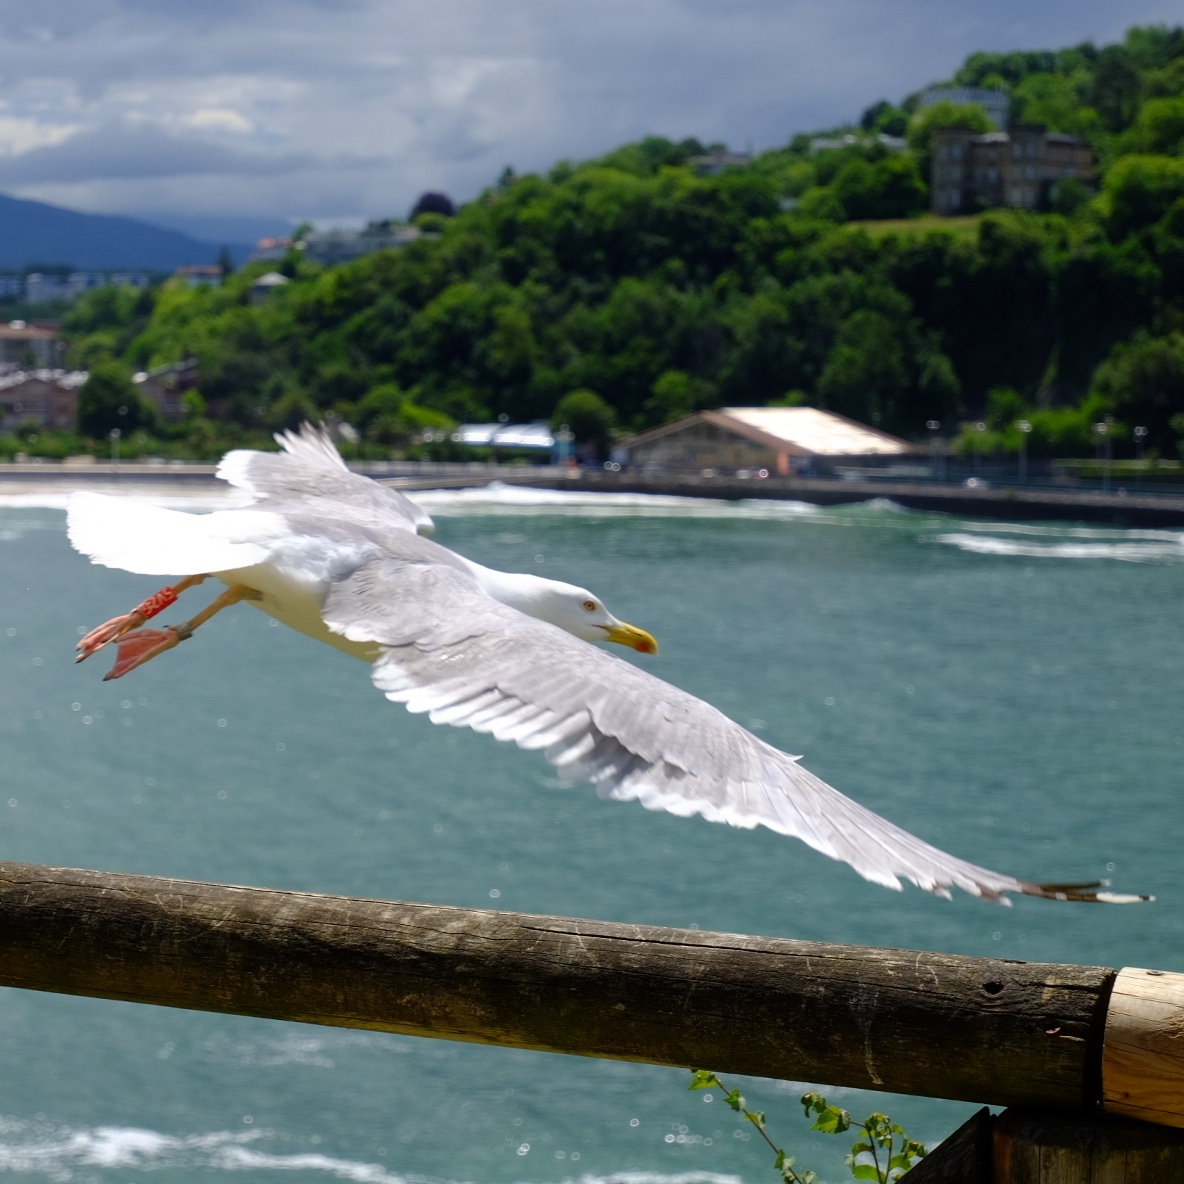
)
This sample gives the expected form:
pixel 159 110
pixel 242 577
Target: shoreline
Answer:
pixel 1009 503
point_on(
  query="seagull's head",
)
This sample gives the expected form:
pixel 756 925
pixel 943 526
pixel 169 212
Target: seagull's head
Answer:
pixel 583 614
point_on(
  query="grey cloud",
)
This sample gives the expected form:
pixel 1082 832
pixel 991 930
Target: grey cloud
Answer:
pixel 116 151
pixel 357 105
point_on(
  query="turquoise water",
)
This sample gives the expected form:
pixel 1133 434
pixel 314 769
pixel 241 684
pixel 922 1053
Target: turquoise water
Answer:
pixel 1010 692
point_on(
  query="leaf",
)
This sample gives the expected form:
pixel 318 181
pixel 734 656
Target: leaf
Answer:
pixel 832 1121
pixel 756 1117
pixel 865 1171
pixel 858 1148
pixel 704 1079
pixel 813 1102
pixel 900 1162
pixel 808 1177
pixel 734 1100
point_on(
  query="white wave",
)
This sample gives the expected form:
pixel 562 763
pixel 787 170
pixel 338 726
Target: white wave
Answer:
pixel 498 498
pixel 1134 551
pixel 54 497
pixel 64 1155
pixel 1062 530
pixel 61 1154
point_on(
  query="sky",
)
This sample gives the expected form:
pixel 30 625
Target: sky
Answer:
pixel 246 115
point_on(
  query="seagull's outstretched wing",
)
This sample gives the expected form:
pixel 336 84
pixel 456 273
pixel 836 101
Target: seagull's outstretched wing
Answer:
pixel 310 468
pixel 451 651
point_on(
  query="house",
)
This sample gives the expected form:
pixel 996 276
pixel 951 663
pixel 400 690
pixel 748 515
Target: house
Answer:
pixel 263 287
pixel 40 289
pixel 536 436
pixel 331 247
pixel 47 398
pixel 735 439
pixel 270 250
pixel 165 385
pixel 714 163
pixel 1018 168
pixel 194 275
pixel 22 344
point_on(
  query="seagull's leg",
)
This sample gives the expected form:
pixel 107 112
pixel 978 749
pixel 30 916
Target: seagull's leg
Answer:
pixel 145 644
pixel 118 626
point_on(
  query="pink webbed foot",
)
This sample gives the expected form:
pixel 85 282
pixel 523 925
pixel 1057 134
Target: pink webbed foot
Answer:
pixel 107 632
pixel 142 646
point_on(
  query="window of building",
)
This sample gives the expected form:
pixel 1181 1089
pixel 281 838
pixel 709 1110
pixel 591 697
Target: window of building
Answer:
pixel 956 151
pixel 943 153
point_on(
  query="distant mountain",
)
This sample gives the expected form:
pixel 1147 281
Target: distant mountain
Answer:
pixel 33 232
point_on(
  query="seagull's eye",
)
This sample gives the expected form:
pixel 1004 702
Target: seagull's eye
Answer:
pixel 589 606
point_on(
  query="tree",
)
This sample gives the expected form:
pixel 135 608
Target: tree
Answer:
pixel 433 203
pixel 108 400
pixel 890 188
pixel 589 418
pixel 1142 382
pixel 1139 190
pixel 970 116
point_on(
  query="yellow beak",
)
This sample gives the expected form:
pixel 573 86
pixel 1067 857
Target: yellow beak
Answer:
pixel 630 635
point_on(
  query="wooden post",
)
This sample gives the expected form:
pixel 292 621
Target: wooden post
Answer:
pixel 1034 1148
pixel 1143 1061
pixel 979 1029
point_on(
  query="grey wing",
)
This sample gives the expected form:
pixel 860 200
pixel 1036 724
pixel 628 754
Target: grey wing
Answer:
pixel 466 660
pixel 310 468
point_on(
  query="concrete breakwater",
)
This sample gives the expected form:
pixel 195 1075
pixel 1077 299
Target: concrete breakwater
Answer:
pixel 1012 503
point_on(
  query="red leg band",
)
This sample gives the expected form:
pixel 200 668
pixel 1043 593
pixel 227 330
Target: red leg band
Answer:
pixel 157 603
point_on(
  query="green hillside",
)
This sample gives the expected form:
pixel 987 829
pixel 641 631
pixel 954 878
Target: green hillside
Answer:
pixel 811 276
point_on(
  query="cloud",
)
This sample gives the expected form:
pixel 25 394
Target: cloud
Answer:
pixel 352 107
pixel 119 151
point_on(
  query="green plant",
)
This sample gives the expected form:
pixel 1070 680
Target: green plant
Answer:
pixel 881 1151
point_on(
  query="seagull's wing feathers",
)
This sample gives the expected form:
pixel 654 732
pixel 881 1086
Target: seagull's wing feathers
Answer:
pixel 451 651
pixel 309 468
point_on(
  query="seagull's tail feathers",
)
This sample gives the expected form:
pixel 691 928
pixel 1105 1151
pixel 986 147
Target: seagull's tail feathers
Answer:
pixel 128 534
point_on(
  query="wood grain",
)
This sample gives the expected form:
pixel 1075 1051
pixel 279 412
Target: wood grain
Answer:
pixel 977 1029
pixel 1143 1055
pixel 1087 1148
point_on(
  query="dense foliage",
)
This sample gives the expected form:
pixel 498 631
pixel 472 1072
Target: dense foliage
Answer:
pixel 635 279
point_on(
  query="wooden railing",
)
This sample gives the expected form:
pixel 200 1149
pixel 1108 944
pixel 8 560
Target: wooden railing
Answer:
pixel 1079 1040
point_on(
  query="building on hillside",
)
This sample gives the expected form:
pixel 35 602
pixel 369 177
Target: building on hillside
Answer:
pixel 25 345
pixel 746 439
pixel 45 398
pixel 850 139
pixel 270 250
pixel 331 247
pixel 40 289
pixel 536 436
pixel 164 386
pixel 263 287
pixel 1018 168
pixel 995 102
pixel 12 286
pixel 193 275
pixel 714 163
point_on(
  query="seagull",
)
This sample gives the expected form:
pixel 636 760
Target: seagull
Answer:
pixel 344 560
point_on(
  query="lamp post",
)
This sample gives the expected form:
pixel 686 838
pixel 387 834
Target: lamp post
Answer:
pixel 1025 427
pixel 979 427
pixel 115 434
pixel 1103 433
pixel 934 425
pixel 563 437
pixel 1140 440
